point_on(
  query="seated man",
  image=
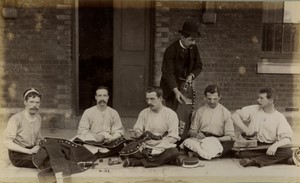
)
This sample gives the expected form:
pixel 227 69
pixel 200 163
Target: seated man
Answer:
pixel 270 127
pixel 23 132
pixel 101 126
pixel 212 120
pixel 26 148
pixel 159 122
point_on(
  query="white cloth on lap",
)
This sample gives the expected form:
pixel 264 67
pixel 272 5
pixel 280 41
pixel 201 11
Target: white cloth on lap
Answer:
pixel 207 148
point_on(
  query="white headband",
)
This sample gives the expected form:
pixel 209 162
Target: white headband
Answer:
pixel 31 90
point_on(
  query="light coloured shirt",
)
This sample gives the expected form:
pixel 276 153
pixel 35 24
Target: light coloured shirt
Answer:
pixel 216 121
pixel 22 131
pixel 165 120
pixel 270 127
pixel 107 123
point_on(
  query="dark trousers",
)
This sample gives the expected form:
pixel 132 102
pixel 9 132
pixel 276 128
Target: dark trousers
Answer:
pixel 171 102
pixel 167 157
pixel 112 152
pixel 227 145
pixel 260 156
pixel 20 159
pixel 61 157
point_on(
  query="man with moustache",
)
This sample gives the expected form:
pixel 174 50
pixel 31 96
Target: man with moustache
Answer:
pixel 213 120
pixel 181 63
pixel 270 127
pixel 102 124
pixel 23 132
pixel 161 122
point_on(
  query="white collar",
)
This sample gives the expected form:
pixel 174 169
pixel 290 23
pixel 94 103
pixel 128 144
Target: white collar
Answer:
pixel 182 45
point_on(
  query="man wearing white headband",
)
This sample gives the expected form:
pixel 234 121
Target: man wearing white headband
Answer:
pixel 22 134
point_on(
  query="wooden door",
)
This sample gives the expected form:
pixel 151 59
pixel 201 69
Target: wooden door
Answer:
pixel 132 30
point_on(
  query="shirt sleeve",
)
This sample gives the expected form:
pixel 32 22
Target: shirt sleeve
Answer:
pixel 284 129
pixel 247 112
pixel 197 68
pixel 168 67
pixel 229 129
pixel 117 129
pixel 195 125
pixel 140 123
pixel 10 133
pixel 173 123
pixel 84 124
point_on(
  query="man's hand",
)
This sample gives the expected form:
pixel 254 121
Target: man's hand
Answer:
pixel 249 132
pixel 109 140
pixel 181 127
pixel 99 137
pixel 178 95
pixel 200 136
pixel 153 142
pixel 272 150
pixel 193 134
pixel 133 133
pixel 189 78
pixel 34 150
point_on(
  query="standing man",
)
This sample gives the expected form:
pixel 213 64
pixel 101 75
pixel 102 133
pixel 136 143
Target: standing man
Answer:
pixel 213 120
pixel 102 124
pixel 181 63
pixel 22 134
pixel 270 128
pixel 161 122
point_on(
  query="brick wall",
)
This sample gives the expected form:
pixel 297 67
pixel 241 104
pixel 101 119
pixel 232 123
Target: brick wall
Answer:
pixel 36 51
pixel 232 43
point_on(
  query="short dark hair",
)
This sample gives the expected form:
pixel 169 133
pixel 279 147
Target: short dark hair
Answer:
pixel 271 93
pixel 102 88
pixel 156 89
pixel 31 92
pixel 212 89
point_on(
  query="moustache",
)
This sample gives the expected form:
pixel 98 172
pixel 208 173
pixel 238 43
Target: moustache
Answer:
pixel 102 101
pixel 34 108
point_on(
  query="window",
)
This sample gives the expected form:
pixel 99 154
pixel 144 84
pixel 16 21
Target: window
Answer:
pixel 281 27
pixel 291 12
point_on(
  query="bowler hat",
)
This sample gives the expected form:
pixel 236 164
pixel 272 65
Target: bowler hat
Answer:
pixel 191 29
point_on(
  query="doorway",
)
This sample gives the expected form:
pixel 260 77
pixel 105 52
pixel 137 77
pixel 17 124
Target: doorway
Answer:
pixel 95 50
pixel 132 55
